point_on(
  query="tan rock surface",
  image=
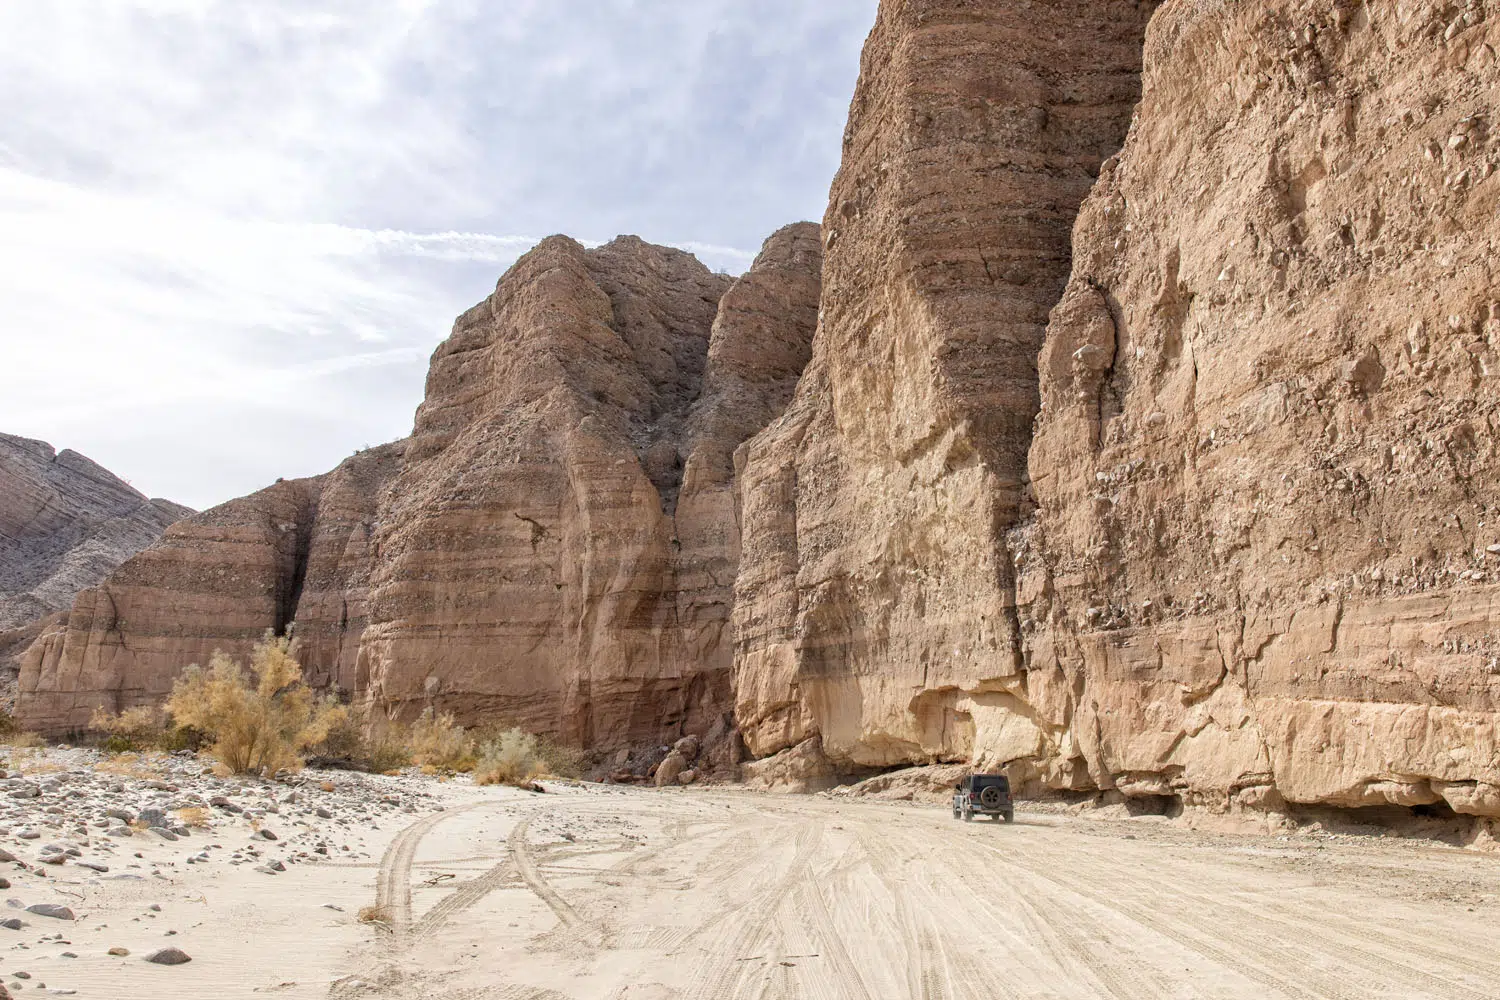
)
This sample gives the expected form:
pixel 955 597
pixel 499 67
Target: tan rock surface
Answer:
pixel 1266 462
pixel 875 602
pixel 560 549
pixel 296 551
pixel 1262 569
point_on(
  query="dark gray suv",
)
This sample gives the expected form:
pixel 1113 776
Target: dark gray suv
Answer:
pixel 985 795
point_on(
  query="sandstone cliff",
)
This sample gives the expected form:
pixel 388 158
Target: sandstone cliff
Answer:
pixel 560 549
pixel 296 551
pixel 1265 557
pixel 65 523
pixel 875 600
pixel 1251 556
pixel 554 546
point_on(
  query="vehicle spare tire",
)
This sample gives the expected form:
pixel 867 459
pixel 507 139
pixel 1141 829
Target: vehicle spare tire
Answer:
pixel 990 797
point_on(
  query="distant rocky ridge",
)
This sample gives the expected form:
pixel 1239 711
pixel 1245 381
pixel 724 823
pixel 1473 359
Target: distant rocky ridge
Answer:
pixel 65 524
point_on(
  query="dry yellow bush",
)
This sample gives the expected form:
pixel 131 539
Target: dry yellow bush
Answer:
pixel 196 817
pixel 436 741
pixel 134 765
pixel 259 724
pixel 512 758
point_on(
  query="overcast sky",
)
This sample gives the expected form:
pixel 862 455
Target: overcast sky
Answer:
pixel 231 233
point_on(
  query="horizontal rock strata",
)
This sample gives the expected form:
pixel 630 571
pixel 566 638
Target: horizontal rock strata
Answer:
pixel 296 551
pixel 1264 563
pixel 874 606
pixel 554 546
pixel 560 550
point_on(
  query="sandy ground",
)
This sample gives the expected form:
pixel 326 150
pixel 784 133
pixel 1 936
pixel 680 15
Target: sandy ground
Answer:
pixel 632 894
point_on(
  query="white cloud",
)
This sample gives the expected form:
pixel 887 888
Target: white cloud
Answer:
pixel 231 234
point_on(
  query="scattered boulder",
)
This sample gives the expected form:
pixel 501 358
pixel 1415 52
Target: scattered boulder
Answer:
pixel 799 769
pixel 55 910
pixel 671 766
pixel 169 956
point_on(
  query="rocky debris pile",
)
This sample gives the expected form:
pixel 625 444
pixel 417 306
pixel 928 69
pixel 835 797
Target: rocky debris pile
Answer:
pixel 797 770
pixel 76 810
pixel 932 784
pixel 713 758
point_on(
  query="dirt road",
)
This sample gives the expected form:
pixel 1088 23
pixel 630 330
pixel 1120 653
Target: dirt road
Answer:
pixel 643 895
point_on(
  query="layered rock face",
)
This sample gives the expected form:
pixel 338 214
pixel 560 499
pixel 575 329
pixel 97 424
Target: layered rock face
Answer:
pixel 1264 561
pixel 1256 563
pixel 65 523
pixel 875 602
pixel 560 549
pixel 296 551
pixel 554 546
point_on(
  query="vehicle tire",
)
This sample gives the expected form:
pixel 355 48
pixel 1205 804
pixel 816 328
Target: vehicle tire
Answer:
pixel 990 797
pixel 956 812
pixel 968 815
pixel 1009 815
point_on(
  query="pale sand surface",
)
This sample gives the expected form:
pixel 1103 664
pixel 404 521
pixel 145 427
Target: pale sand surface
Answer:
pixel 636 894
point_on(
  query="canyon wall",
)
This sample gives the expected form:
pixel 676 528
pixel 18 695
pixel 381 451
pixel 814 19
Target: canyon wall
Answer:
pixel 560 549
pixel 875 603
pixel 218 580
pixel 554 546
pixel 1264 562
pixel 1251 557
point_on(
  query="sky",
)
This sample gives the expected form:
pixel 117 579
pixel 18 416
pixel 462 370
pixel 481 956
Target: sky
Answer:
pixel 232 233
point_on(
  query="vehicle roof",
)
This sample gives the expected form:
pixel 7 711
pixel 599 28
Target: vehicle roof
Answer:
pixel 987 779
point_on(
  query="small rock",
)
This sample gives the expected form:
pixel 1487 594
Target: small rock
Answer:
pixel 119 952
pixel 169 956
pixel 6 857
pixel 54 910
pixel 265 835
pixel 11 924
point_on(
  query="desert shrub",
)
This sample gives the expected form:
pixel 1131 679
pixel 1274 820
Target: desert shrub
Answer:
pixel 196 817
pixel 346 744
pixel 515 757
pixel 511 758
pixel 142 728
pixel 259 724
pixel 436 741
pixel 12 735
pixel 551 759
pixel 387 752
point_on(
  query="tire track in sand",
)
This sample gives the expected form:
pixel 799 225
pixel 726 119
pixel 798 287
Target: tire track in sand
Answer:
pixel 748 924
pixel 393 881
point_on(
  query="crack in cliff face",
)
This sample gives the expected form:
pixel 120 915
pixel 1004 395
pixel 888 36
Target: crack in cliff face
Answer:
pixel 294 547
